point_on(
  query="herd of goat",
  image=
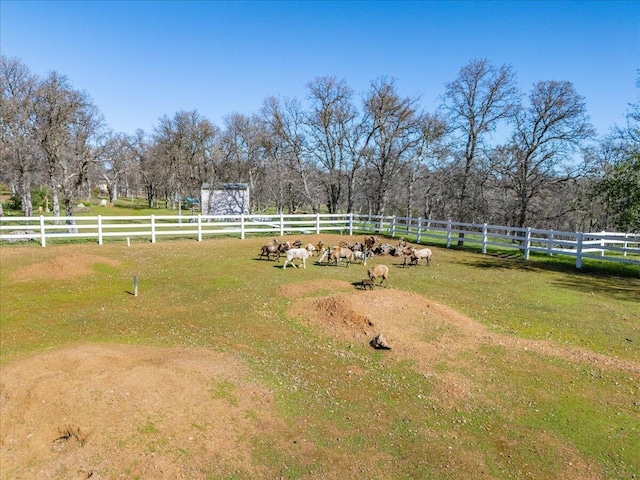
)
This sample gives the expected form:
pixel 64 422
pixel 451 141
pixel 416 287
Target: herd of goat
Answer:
pixel 347 253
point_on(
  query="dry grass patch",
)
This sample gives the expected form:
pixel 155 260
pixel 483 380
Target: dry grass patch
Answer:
pixel 62 267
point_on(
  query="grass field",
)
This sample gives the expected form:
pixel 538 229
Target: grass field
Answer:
pixel 499 368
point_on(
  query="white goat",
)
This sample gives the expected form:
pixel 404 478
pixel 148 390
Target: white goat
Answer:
pixel 299 253
pixel 423 253
pixel 325 255
pixel 361 256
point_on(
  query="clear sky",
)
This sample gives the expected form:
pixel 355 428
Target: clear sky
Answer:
pixel 141 60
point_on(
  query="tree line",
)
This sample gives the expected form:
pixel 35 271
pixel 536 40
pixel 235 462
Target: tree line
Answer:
pixel 489 153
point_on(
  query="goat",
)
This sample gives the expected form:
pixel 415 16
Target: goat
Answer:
pixel 379 271
pixel 276 248
pixel 339 253
pixel 382 249
pixel 367 282
pixel 408 259
pixel 324 255
pixel 370 241
pixel 299 253
pixel 358 247
pixel 417 255
pixel 359 255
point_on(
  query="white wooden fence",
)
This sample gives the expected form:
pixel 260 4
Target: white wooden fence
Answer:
pixel 608 246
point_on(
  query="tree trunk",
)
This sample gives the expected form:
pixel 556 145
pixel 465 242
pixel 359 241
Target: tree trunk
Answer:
pixel 55 204
pixel 69 209
pixel 27 207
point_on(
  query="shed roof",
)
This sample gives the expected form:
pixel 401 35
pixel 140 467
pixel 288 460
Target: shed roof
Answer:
pixel 226 186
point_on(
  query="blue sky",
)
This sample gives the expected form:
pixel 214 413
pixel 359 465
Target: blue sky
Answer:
pixel 140 60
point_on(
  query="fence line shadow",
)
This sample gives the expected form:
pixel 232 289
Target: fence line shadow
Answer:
pixel 620 283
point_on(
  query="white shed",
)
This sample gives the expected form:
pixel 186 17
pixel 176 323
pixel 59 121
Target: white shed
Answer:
pixel 225 199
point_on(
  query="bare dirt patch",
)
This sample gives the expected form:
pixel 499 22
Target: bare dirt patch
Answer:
pixel 132 412
pixel 63 266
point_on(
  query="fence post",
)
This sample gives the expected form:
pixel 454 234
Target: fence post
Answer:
pixel 550 243
pixel 99 229
pixel 527 243
pixel 317 223
pixel 393 226
pixel 484 238
pixel 626 244
pixel 242 226
pixel 579 250
pixel 199 227
pixel 419 232
pixel 448 233
pixel 351 224
pixel 281 224
pixel 43 234
pixel 153 229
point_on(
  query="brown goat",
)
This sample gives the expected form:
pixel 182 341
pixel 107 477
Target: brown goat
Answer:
pixel 367 282
pixel 379 271
pixel 340 252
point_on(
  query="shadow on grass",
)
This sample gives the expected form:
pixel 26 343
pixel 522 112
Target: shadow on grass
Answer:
pixel 619 281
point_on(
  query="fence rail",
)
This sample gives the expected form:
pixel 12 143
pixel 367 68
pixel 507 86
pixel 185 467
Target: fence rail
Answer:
pixel 608 246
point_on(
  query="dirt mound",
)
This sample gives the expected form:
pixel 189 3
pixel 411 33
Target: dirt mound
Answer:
pixel 61 267
pixel 132 411
pixel 420 330
pixel 417 329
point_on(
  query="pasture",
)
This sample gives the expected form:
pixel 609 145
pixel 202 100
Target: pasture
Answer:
pixel 226 366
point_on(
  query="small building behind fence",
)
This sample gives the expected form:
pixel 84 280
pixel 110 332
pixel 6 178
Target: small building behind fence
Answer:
pixel 225 199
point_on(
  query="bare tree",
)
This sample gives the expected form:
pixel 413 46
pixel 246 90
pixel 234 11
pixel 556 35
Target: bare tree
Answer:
pixel 118 160
pixel 395 131
pixel 182 149
pixel 619 187
pixel 66 125
pixel 330 122
pixel 18 150
pixel 427 151
pixel 284 125
pixel 147 174
pixel 242 153
pixel 549 131
pixel 475 103
pixel 87 142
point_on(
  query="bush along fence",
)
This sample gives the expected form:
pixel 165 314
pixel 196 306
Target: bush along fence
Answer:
pixel 608 246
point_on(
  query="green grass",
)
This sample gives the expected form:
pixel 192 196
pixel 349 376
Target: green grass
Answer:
pixel 526 414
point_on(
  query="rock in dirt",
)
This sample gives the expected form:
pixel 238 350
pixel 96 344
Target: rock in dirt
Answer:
pixel 380 343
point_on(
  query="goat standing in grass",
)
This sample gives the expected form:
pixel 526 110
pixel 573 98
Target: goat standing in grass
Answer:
pixel 362 256
pixel 299 253
pixel 276 248
pixel 339 253
pixel 422 254
pixel 367 282
pixel 379 271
